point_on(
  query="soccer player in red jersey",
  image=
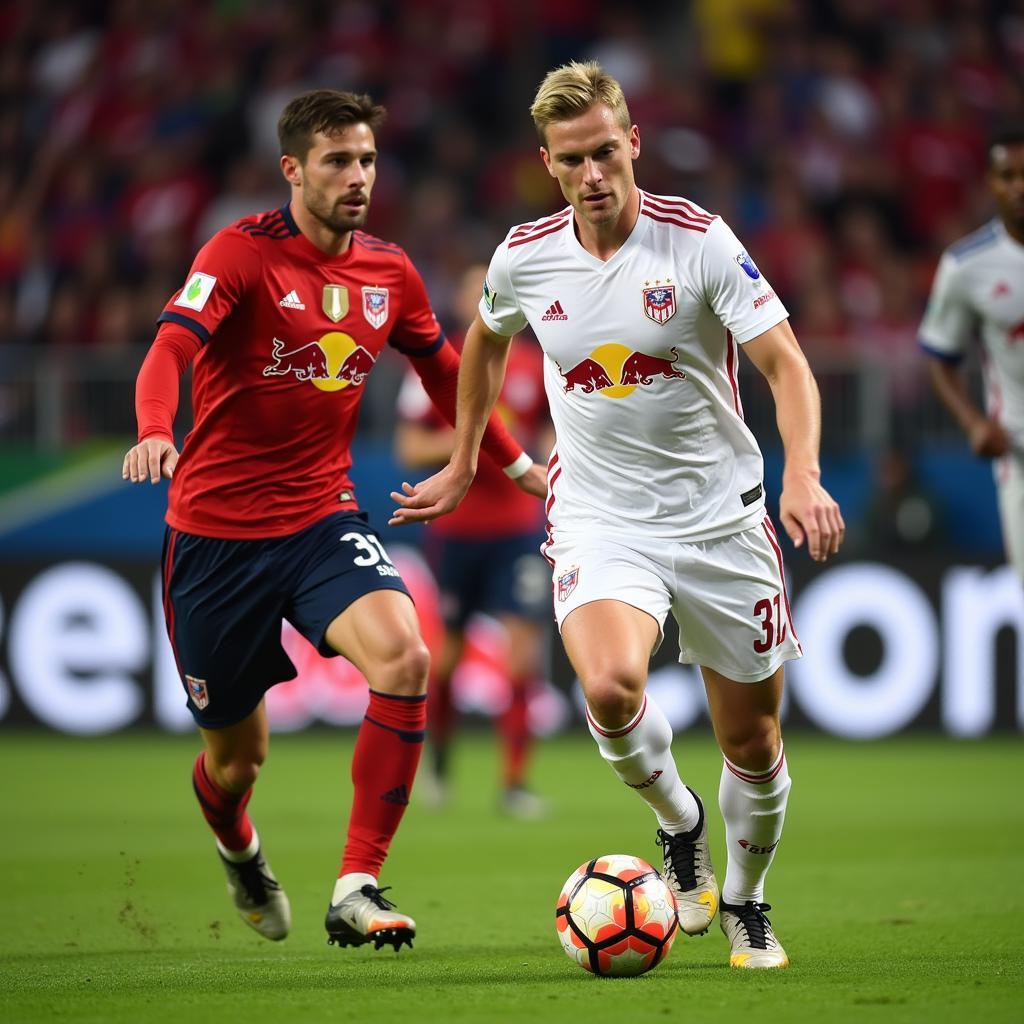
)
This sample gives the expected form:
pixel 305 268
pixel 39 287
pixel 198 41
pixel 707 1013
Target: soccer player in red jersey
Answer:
pixel 484 555
pixel 283 315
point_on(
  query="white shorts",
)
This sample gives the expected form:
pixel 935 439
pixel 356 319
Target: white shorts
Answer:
pixel 728 595
pixel 1009 472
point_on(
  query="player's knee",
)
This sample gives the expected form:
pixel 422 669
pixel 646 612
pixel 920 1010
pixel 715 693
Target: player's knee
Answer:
pixel 239 773
pixel 613 697
pixel 405 671
pixel 753 745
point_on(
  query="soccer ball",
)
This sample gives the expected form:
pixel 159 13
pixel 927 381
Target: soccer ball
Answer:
pixel 616 916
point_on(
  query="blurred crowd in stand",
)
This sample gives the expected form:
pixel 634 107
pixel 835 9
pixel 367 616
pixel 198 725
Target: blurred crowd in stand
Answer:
pixel 844 140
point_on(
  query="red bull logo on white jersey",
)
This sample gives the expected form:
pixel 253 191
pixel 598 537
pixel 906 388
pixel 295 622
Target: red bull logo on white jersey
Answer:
pixel 333 362
pixel 616 371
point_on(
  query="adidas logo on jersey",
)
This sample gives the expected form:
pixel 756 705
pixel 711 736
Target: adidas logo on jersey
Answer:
pixel 292 301
pixel 555 312
pixel 399 795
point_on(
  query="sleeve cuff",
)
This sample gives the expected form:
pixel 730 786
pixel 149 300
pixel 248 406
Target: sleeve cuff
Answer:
pixel 516 469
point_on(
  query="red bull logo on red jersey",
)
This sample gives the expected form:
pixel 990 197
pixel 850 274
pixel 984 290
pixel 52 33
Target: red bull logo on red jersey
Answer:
pixel 332 363
pixel 615 371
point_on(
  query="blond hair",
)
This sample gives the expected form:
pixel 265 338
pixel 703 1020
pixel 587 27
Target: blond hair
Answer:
pixel 573 89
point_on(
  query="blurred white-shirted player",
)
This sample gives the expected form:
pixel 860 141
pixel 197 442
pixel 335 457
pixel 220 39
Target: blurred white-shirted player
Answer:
pixel 978 293
pixel 655 492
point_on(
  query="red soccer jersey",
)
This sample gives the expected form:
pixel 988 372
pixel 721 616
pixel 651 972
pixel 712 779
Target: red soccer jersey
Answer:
pixel 289 334
pixel 494 506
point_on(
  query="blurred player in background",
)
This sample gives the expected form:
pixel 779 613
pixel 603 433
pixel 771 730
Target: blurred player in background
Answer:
pixel 284 314
pixel 485 558
pixel 979 293
pixel 655 491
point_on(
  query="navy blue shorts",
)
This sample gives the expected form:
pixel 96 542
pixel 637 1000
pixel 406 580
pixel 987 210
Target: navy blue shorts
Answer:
pixel 224 601
pixel 497 576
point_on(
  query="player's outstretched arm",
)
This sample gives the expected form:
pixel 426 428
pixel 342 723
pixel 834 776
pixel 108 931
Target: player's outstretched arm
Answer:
pixel 808 512
pixel 481 373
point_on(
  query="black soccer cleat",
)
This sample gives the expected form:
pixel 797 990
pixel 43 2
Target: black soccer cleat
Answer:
pixel 363 916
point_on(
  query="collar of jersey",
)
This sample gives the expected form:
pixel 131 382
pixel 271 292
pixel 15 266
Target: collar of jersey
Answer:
pixel 308 249
pixel 590 260
pixel 1003 235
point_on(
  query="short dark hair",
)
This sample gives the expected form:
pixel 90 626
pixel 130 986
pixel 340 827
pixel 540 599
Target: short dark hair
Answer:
pixel 323 110
pixel 1004 135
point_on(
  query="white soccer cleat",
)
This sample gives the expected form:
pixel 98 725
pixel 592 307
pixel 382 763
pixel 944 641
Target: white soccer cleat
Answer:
pixel 689 874
pixel 364 915
pixel 261 902
pixel 750 934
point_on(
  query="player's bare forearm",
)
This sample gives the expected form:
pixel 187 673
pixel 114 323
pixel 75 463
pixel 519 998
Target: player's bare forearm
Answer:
pixel 481 373
pixel 986 436
pixel 807 511
pixel 484 356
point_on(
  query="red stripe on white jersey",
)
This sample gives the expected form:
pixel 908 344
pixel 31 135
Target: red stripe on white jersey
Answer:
pixel 769 528
pixel 539 234
pixel 678 223
pixel 731 359
pixel 551 491
pixel 537 225
pixel 544 548
pixel 678 207
pixel 757 778
pixel 616 733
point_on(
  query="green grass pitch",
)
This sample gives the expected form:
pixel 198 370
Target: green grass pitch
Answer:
pixel 897 890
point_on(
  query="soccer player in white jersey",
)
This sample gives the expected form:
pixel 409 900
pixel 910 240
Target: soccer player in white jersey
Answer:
pixel 979 293
pixel 655 493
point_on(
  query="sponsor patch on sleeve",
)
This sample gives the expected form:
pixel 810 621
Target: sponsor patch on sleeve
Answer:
pixel 196 291
pixel 489 296
pixel 748 266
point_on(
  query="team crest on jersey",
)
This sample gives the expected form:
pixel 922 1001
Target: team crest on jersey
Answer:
pixel 660 302
pixel 567 582
pixel 375 306
pixel 197 691
pixel 335 301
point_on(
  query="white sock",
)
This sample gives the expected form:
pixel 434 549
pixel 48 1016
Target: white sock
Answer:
pixel 754 807
pixel 639 753
pixel 349 883
pixel 240 856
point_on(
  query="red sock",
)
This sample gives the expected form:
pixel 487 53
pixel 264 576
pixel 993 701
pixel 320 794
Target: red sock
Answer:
pixel 225 812
pixel 514 727
pixel 383 767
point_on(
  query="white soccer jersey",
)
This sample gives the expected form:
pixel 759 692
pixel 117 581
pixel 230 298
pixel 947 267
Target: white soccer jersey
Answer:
pixel 979 292
pixel 640 368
